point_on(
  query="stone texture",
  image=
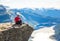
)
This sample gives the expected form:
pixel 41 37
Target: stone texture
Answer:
pixel 21 33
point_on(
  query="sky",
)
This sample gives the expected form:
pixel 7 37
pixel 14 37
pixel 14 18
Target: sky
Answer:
pixel 31 3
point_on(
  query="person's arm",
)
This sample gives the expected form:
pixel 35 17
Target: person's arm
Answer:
pixel 19 19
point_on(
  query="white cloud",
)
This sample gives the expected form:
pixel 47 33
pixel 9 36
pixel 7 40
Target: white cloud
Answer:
pixel 31 3
pixel 43 34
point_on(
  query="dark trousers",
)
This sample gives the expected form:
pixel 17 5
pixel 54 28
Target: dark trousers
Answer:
pixel 19 22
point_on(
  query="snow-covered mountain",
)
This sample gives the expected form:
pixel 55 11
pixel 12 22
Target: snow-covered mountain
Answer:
pixel 4 16
pixel 38 18
pixel 35 17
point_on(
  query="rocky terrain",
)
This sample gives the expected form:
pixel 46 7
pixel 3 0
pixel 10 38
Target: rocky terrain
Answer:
pixel 19 33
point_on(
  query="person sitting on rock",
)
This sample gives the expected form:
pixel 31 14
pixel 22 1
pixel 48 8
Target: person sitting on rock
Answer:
pixel 18 20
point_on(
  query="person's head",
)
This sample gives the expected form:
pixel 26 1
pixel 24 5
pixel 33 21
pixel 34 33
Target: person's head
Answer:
pixel 18 15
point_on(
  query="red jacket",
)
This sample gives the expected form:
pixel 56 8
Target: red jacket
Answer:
pixel 17 19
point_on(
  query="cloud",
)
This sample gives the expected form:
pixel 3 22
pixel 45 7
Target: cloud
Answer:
pixel 31 3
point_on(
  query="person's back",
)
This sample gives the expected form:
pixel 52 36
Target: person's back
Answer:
pixel 18 20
